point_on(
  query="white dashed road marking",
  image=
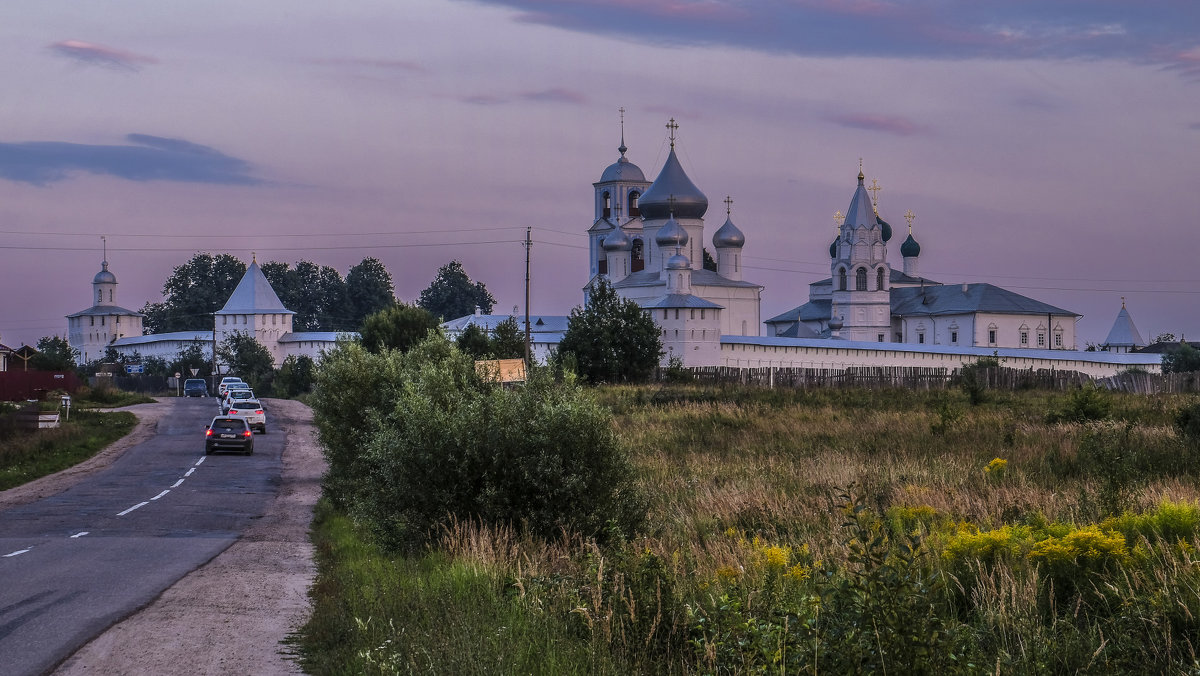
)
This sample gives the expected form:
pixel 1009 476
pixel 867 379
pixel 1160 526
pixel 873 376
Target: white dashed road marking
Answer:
pixel 189 472
pixel 161 494
pixel 16 553
pixel 79 535
pixel 140 504
pixel 177 483
pixel 199 461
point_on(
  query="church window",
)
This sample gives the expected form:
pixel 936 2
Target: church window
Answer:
pixel 954 337
pixel 701 313
pixel 842 279
pixel 676 313
pixel 1041 339
pixel 665 312
pixel 606 205
pixel 920 337
pixel 110 295
pixel 274 319
pixel 224 320
pixel 637 257
pixel 1057 339
pixel 992 336
pixel 602 264
pixel 879 279
pixel 99 297
pixel 693 334
pixel 677 333
pixel 879 337
pixel 744 327
pixel 860 280
pixel 102 321
pixel 692 312
pixel 1024 338
pixel 634 212
pixel 93 321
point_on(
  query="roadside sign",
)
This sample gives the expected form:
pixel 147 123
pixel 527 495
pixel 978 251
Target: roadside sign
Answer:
pixel 134 368
pixel 194 372
pixel 177 374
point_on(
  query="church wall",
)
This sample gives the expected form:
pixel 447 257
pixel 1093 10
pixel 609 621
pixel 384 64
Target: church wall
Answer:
pixel 741 315
pixel 692 334
pixel 817 353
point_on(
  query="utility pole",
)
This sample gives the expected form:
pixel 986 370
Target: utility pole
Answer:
pixel 528 246
pixel 214 355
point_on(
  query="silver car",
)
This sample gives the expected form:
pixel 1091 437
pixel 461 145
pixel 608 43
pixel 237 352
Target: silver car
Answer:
pixel 252 411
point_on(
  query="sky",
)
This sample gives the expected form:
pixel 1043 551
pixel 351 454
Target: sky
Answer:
pixel 1046 146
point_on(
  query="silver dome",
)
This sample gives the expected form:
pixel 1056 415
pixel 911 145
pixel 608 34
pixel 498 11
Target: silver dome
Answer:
pixel 104 276
pixel 678 262
pixel 671 234
pixel 673 191
pixel 617 240
pixel 622 170
pixel 729 235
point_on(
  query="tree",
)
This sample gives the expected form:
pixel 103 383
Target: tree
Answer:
pixel 398 327
pixel 508 341
pixel 191 357
pixel 474 341
pixel 54 354
pixel 369 289
pixel 295 376
pixel 452 294
pixel 611 339
pixel 317 294
pixel 193 292
pixel 710 263
pixel 249 359
pixel 1165 338
pixel 1182 359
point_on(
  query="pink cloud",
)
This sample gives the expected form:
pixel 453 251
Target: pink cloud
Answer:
pixel 99 55
pixel 890 124
pixel 1187 63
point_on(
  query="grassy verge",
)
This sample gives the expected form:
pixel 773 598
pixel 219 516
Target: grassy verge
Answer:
pixel 827 531
pixel 29 455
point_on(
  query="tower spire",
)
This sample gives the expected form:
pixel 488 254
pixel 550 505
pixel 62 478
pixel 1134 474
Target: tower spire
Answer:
pixel 671 126
pixel 104 244
pixel 860 173
pixel 622 147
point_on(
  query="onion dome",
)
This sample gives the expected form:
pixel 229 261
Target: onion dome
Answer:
pixel 833 249
pixel 887 228
pixel 728 235
pixel 672 234
pixel 835 323
pixel 678 262
pixel 622 170
pixel 104 276
pixel 617 240
pixel 672 191
pixel 910 248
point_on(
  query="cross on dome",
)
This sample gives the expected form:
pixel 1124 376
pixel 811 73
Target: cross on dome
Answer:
pixel 672 127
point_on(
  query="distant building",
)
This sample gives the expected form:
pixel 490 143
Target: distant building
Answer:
pixel 99 327
pixel 545 331
pixel 253 308
pixel 1124 336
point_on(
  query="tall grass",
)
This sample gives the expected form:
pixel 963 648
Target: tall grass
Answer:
pixel 26 455
pixel 826 530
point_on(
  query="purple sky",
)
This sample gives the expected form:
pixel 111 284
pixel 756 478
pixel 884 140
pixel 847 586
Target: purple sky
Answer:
pixel 1049 146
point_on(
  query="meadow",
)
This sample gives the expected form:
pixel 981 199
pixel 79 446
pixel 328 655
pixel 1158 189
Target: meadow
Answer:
pixel 815 531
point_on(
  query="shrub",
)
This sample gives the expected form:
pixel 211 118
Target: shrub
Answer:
pixel 1088 403
pixel 441 442
pixel 1187 421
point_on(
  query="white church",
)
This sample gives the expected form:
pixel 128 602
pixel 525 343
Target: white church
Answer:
pixel 647 239
pixel 253 308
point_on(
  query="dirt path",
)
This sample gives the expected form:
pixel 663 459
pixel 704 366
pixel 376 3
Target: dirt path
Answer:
pixel 230 616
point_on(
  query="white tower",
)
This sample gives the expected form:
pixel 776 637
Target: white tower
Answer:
pixel 617 197
pixel 728 241
pixel 861 275
pixel 92 330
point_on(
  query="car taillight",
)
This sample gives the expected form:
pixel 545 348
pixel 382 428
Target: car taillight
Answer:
pixel 258 412
pixel 233 411
pixel 208 433
pixel 247 433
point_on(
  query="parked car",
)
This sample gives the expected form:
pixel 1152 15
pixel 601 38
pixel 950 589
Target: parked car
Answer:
pixel 252 411
pixel 235 395
pixel 231 433
pixel 227 381
pixel 195 387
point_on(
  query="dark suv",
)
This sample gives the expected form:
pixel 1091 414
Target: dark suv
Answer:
pixel 231 433
pixel 195 387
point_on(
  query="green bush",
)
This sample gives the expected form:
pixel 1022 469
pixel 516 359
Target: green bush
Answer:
pixel 1187 421
pixel 1088 403
pixel 415 438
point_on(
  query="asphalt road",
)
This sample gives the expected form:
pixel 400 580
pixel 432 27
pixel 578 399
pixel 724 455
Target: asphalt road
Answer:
pixel 73 564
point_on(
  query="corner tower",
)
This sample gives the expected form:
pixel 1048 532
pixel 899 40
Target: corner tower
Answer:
pixel 91 331
pixel 617 204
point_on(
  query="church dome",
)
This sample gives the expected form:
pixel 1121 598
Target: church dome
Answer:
pixel 617 240
pixel 833 249
pixel 673 191
pixel 887 228
pixel 729 235
pixel 910 248
pixel 678 262
pixel 671 234
pixel 104 276
pixel 622 170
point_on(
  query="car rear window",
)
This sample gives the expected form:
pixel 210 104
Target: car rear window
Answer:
pixel 229 425
pixel 246 405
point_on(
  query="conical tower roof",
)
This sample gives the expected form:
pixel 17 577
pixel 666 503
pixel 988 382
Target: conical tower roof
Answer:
pixel 1123 331
pixel 860 213
pixel 254 295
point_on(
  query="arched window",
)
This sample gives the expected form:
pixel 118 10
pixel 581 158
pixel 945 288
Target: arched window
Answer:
pixel 99 297
pixel 879 279
pixel 634 212
pixel 842 279
pixel 638 263
pixel 860 280
pixel 606 205
pixel 110 295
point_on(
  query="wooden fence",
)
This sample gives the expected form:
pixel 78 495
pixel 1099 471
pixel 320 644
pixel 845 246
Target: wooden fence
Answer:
pixel 915 378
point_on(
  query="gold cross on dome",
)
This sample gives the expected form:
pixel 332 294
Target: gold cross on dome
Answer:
pixel 672 127
pixel 728 205
pixel 838 218
pixel 874 189
pixel 909 216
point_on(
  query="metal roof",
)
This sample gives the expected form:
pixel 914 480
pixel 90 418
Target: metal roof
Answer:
pixel 679 300
pixel 537 323
pixel 819 310
pixel 951 299
pixel 729 235
pixel 180 336
pixel 254 295
pixel 1123 332
pixel 623 170
pixel 317 336
pixel 701 277
pixel 673 191
pixel 106 310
